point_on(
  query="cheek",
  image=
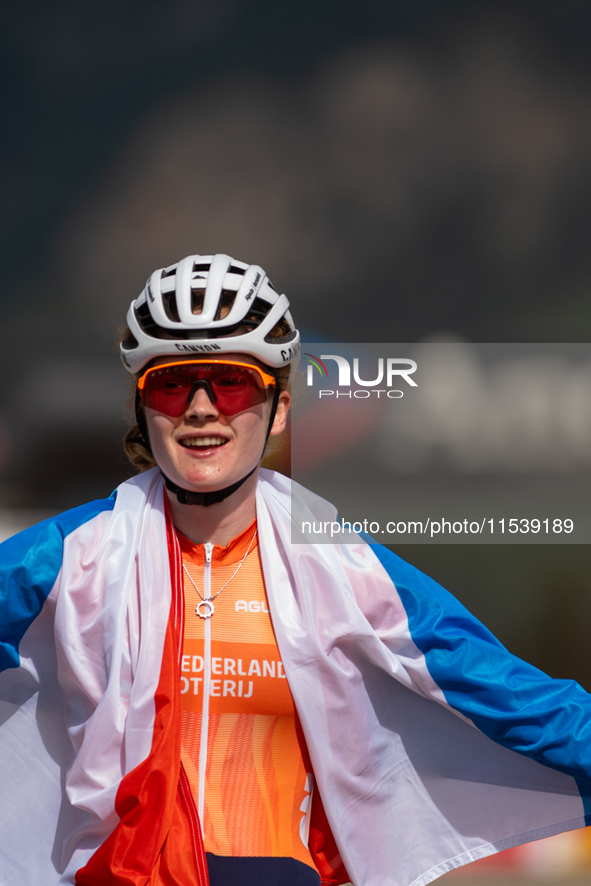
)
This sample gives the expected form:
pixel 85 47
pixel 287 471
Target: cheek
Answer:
pixel 250 432
pixel 252 425
pixel 160 428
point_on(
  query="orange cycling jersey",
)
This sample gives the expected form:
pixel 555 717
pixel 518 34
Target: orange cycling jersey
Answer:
pixel 251 785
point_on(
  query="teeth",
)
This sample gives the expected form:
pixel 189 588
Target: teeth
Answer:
pixel 202 442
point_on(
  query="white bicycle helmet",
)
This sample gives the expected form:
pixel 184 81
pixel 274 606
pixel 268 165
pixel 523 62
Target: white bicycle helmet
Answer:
pixel 206 304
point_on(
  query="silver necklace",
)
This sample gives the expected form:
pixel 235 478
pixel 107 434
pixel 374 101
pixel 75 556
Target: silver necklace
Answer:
pixel 207 603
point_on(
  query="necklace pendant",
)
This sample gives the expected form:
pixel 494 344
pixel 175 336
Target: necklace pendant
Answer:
pixel 208 611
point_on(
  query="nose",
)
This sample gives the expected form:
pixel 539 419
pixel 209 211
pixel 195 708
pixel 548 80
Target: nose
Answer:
pixel 200 404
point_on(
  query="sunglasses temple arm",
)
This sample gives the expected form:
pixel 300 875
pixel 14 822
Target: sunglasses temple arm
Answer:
pixel 272 416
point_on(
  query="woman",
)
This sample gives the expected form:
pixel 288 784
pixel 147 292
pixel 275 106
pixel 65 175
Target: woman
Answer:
pixel 183 630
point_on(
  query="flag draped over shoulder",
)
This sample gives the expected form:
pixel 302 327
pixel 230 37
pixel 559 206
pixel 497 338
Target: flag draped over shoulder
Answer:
pixel 432 745
pixel 91 740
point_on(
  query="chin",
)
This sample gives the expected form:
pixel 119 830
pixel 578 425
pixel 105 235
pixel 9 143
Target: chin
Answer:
pixel 203 480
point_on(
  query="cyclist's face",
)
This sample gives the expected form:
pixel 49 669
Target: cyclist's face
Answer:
pixel 202 449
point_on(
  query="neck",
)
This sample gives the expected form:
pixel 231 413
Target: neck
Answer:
pixel 218 523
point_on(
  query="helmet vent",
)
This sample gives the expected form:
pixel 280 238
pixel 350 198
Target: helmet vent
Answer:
pixel 282 332
pixel 197 297
pixel 234 270
pixel 130 342
pixel 225 304
pixel 146 321
pixel 258 311
pixel 201 267
pixel 169 302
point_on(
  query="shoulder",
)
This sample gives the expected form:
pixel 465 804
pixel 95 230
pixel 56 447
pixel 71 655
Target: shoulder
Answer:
pixel 30 563
pixel 46 538
pixel 436 618
pixel 273 480
pixel 284 498
pixel 410 581
pixel 37 551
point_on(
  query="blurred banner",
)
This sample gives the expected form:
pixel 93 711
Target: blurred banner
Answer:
pixel 444 442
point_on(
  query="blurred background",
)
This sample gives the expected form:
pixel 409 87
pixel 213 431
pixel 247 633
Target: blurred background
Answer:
pixel 404 171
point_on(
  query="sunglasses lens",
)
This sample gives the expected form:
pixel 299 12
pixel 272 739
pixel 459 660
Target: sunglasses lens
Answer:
pixel 237 389
pixel 167 391
pixel 232 388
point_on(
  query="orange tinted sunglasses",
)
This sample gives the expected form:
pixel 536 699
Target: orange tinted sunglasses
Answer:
pixel 231 385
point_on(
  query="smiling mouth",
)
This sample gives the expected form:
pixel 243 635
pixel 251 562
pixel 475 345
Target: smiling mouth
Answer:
pixel 202 442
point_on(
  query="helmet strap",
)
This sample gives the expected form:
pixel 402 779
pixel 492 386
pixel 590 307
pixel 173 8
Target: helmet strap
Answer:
pixel 186 497
pixel 205 499
pixel 143 437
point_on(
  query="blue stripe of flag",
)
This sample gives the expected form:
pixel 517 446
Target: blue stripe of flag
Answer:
pixel 29 565
pixel 509 700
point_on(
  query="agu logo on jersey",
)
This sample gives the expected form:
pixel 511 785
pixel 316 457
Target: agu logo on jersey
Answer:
pixel 389 371
pixel 250 606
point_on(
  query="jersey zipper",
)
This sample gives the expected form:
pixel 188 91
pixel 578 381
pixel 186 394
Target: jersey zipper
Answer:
pixel 206 683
